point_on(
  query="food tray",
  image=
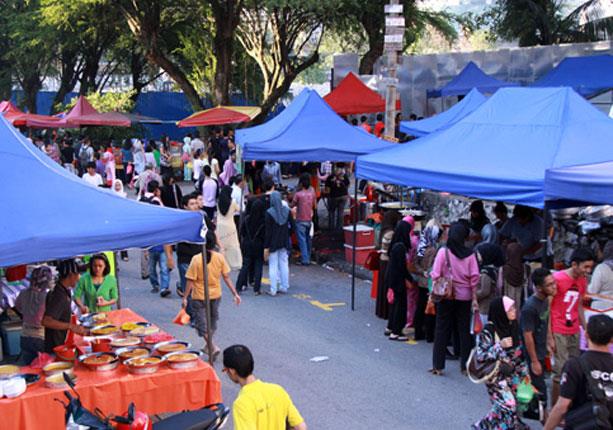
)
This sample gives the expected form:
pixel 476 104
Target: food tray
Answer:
pixel 57 381
pixel 144 369
pixel 144 331
pixel 104 367
pixel 108 330
pixel 187 364
pixel 157 346
pixel 131 348
pixel 122 342
pixel 7 371
pixel 93 319
pixel 125 327
pixel 58 367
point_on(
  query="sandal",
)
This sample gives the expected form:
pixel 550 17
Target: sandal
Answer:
pixel 436 372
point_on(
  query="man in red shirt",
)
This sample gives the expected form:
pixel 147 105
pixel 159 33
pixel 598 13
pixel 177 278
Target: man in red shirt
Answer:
pixel 567 313
pixel 364 124
pixel 305 201
pixel 379 125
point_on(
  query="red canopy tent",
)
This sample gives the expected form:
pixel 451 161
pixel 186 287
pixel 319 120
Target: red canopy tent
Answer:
pixel 84 114
pixel 220 115
pixel 19 118
pixel 352 96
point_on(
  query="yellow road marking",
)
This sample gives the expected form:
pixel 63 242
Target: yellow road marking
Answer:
pixel 411 342
pixel 325 306
pixel 301 296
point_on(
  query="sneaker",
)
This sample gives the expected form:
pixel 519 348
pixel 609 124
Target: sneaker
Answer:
pixel 401 338
pixel 271 293
pixel 144 277
pixel 282 291
pixel 155 290
pixel 165 293
pixel 387 332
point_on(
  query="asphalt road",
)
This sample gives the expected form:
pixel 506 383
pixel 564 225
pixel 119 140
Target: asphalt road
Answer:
pixel 367 381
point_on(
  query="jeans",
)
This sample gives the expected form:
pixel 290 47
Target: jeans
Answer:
pixel 250 263
pixel 451 314
pixel 182 271
pixel 278 270
pixel 155 258
pixel 336 208
pixel 303 231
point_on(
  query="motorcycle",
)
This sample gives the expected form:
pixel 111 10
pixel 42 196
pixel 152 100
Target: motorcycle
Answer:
pixel 77 417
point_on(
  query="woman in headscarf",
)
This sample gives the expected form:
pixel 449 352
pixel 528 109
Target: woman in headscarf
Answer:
pixel 171 192
pixel 513 272
pixel 229 171
pixel 139 156
pixel 490 258
pixel 226 228
pixel 278 223
pixel 109 168
pixel 602 278
pixel 118 191
pixel 489 234
pixel 412 293
pixel 390 219
pixel 454 313
pixel 478 218
pixel 397 279
pixel 424 257
pixel 499 340
pixel 31 305
pixel 252 245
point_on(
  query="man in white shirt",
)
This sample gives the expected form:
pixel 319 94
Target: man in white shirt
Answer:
pixel 91 177
pixel 239 193
pixel 197 144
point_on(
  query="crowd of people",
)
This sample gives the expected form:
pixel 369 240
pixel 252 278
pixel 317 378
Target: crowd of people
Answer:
pixel 433 286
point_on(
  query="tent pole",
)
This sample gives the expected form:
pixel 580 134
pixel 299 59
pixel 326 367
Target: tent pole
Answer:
pixel 207 302
pixel 117 281
pixel 544 240
pixel 355 229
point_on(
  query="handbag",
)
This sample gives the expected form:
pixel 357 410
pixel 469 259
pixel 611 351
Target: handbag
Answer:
pixel 430 307
pixel 373 261
pixel 476 324
pixel 593 414
pixel 442 287
pixel 482 371
pixel 390 296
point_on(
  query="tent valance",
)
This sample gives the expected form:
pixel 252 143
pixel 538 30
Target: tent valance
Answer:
pixel 580 185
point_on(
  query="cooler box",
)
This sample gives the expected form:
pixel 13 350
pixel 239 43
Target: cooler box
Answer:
pixel 361 254
pixel 365 236
pixel 11 334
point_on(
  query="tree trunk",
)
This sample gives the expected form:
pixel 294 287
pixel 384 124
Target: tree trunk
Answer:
pixel 31 85
pixel 68 78
pixel 227 15
pixel 6 81
pixel 376 43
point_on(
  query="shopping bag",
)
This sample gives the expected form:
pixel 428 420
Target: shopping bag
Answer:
pixel 476 324
pixel 182 318
pixel 430 307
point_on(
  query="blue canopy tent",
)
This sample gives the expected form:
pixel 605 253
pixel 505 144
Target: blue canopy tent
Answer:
pixel 307 130
pixel 580 185
pixel 502 149
pixel 470 77
pixel 587 75
pixel 48 213
pixel 445 119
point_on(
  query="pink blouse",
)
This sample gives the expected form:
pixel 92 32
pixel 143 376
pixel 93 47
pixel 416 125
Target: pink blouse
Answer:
pixel 465 273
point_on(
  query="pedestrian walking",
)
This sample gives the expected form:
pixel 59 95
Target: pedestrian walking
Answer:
pixel 397 281
pixel 252 245
pixel 171 192
pixel 337 186
pixel 305 201
pixel 500 341
pixel 388 224
pixel 210 191
pixel 226 228
pixel 602 279
pixel 513 272
pixel 279 222
pixel 217 268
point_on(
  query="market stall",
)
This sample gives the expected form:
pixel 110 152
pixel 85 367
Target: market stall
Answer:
pixel 84 114
pixel 220 115
pixel 351 96
pixel 445 119
pixel 19 118
pixel 164 390
pixel 588 75
pixel 470 77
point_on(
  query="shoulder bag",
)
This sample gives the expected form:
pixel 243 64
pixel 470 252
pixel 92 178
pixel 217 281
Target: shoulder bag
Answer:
pixel 442 287
pixel 373 260
pixel 480 372
pixel 594 414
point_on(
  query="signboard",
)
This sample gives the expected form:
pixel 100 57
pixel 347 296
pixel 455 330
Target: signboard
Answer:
pixel 394 8
pixel 394 38
pixel 392 21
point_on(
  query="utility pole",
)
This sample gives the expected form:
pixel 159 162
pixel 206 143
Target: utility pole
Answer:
pixel 394 42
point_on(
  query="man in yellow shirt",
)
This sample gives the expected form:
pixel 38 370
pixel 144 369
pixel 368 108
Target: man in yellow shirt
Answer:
pixel 259 405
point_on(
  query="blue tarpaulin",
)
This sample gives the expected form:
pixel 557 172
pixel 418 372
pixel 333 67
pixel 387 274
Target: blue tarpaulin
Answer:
pixel 501 150
pixel 580 185
pixel 470 77
pixel 445 119
pixel 49 213
pixel 307 130
pixel 587 75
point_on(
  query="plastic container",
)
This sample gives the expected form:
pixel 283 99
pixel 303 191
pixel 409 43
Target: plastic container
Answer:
pixel 11 334
pixel 365 236
pixel 14 387
pixel 361 254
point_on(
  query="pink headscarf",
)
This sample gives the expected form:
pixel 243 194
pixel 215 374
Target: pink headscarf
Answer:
pixel 228 172
pixel 414 238
pixel 507 303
